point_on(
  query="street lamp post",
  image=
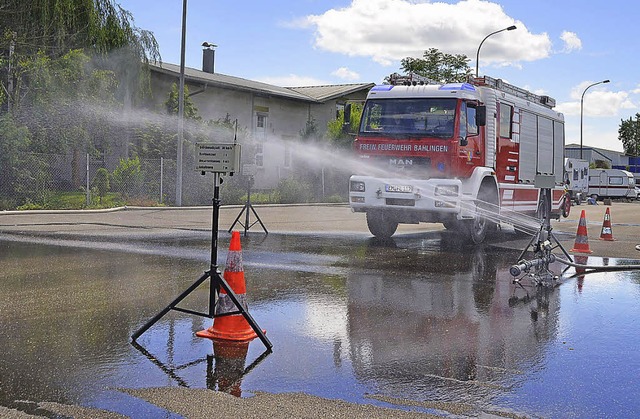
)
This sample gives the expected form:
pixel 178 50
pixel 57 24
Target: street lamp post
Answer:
pixel 582 107
pixel 181 108
pixel 510 28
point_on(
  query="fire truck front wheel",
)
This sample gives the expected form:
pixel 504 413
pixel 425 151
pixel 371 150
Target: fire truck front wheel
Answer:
pixel 381 224
pixel 482 224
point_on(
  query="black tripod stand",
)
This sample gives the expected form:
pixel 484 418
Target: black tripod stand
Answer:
pixel 248 207
pixel 216 283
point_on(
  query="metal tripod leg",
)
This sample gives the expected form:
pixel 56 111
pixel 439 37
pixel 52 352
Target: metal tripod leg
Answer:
pixel 171 306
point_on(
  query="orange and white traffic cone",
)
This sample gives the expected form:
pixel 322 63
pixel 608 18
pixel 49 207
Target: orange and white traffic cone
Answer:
pixel 233 326
pixel 581 244
pixel 607 232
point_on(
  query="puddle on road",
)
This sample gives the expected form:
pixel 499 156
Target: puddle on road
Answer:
pixel 416 318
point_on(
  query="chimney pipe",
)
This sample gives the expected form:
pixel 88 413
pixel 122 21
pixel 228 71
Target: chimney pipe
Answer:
pixel 208 57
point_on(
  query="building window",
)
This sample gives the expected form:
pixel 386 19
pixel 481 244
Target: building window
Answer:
pixel 260 121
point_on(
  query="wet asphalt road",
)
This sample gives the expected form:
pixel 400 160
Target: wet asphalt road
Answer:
pixel 422 320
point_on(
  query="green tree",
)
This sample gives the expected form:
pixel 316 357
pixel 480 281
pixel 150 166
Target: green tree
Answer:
pixel 437 66
pixel 172 102
pixel 310 130
pixel 629 134
pixel 52 28
pixel 14 141
pixel 335 128
pixel 159 139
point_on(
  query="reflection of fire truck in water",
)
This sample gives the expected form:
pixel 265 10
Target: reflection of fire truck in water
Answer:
pixel 461 154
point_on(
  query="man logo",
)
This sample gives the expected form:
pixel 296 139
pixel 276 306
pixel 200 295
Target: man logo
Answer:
pixel 401 162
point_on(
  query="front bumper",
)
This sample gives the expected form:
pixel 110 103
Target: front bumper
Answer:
pixel 432 195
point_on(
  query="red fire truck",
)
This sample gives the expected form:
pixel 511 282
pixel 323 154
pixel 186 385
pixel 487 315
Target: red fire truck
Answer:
pixel 462 154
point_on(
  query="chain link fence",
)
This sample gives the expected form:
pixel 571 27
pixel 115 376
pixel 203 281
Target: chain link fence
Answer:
pixel 69 181
pixel 37 180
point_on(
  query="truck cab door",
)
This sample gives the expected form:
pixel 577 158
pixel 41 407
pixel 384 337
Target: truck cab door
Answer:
pixel 470 144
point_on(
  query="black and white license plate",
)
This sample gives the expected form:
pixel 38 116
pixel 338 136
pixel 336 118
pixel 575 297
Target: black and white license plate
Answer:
pixel 398 188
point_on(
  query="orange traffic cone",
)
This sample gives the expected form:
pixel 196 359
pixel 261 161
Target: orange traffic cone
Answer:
pixel 233 326
pixel 230 359
pixel 581 244
pixel 580 271
pixel 606 233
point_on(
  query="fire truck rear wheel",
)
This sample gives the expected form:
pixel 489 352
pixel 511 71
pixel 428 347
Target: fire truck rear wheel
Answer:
pixel 380 224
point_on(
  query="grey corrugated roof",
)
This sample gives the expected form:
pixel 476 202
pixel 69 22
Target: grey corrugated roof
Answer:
pixel 323 93
pixel 314 94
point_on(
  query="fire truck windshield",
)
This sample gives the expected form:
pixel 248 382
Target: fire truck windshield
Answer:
pixel 409 117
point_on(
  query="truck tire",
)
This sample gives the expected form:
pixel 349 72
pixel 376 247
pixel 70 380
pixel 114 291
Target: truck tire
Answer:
pixel 453 225
pixel 481 226
pixel 380 224
pixel 566 206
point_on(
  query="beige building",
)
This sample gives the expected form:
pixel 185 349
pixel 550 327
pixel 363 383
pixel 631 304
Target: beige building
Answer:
pixel 273 116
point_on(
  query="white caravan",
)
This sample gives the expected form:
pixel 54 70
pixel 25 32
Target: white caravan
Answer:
pixel 611 183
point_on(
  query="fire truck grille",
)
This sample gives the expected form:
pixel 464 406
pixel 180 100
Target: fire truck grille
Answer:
pixel 401 202
pixel 407 165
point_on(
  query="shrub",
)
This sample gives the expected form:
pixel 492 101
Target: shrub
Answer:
pixel 101 182
pixel 127 177
pixel 291 190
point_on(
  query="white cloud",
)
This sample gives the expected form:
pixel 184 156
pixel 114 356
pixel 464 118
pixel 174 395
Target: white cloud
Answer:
pixel 389 30
pixel 597 103
pixel 293 80
pixel 346 74
pixel 571 41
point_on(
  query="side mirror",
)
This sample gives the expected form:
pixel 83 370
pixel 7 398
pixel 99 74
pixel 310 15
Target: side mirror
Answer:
pixel 347 118
pixel 481 115
pixel 463 141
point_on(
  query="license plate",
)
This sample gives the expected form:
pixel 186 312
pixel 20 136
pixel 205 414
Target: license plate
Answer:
pixel 398 188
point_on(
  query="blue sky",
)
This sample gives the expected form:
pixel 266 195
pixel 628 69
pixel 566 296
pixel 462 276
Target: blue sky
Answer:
pixel 558 49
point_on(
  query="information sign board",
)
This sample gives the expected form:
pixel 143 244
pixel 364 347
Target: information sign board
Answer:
pixel 217 158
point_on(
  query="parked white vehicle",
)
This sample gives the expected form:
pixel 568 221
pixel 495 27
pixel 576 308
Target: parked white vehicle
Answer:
pixel 611 183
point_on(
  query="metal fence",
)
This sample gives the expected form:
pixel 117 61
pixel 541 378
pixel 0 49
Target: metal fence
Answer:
pixel 34 180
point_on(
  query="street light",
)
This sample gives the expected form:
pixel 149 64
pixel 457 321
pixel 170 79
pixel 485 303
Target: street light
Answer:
pixel 510 28
pixel 181 108
pixel 582 106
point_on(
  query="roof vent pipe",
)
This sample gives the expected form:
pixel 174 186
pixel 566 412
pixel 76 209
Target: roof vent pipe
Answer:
pixel 208 57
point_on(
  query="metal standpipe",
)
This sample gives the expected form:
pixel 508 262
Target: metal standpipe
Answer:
pixel 541 242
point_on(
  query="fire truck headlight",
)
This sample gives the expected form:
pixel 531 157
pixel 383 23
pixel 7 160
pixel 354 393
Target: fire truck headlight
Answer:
pixel 356 186
pixel 446 190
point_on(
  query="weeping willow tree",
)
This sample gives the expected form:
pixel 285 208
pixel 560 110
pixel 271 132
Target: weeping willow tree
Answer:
pixel 56 56
pixel 101 28
pixel 56 26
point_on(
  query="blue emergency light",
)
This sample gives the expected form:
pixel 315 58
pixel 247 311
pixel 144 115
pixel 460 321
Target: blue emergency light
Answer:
pixel 458 86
